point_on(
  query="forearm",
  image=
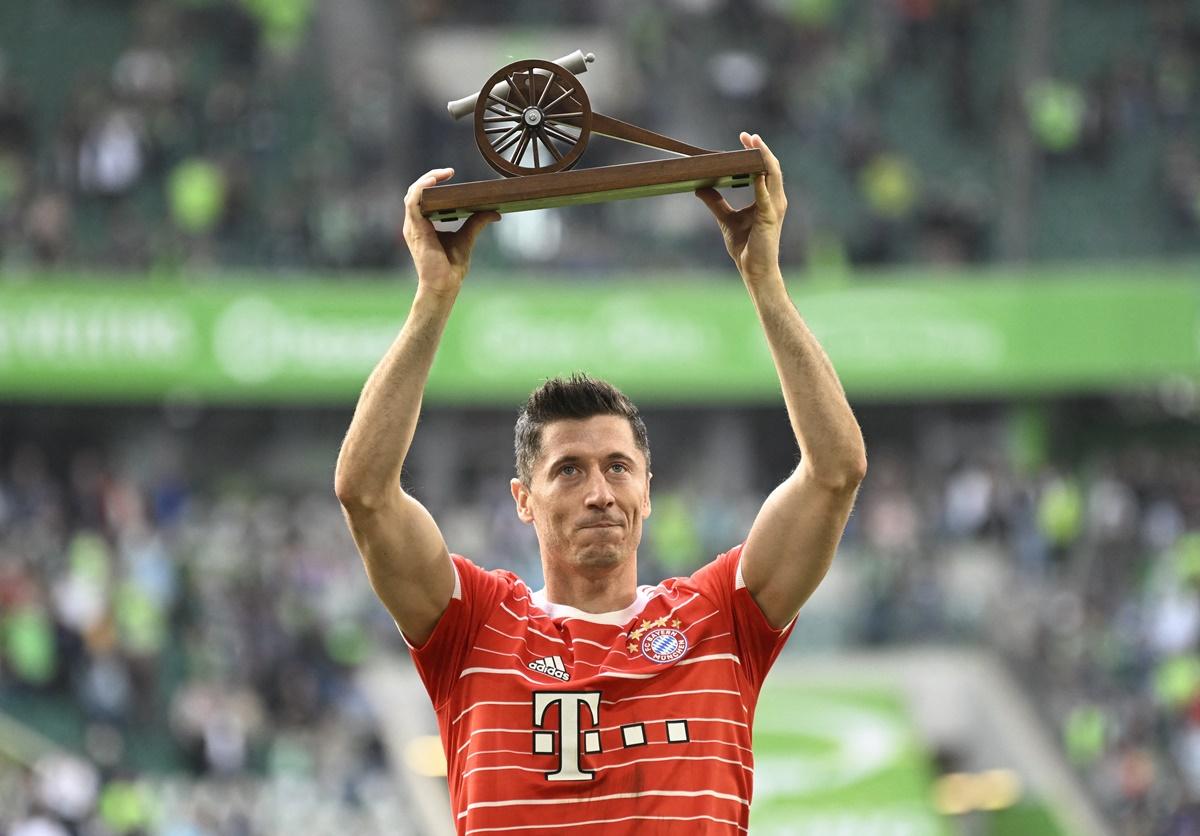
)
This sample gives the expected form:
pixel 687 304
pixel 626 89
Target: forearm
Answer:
pixel 826 430
pixel 385 418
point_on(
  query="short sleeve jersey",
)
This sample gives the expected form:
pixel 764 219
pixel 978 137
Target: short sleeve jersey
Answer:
pixel 637 721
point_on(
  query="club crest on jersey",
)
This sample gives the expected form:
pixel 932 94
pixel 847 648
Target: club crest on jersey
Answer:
pixel 550 666
pixel 664 644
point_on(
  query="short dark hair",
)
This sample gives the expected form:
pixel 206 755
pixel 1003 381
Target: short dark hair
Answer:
pixel 570 398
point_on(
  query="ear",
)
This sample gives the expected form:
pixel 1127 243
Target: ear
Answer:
pixel 520 495
pixel 646 500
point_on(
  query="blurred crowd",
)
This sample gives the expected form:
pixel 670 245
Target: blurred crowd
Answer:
pixel 165 136
pixel 191 628
pixel 193 650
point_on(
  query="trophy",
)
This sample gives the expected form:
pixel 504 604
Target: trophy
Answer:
pixel 532 123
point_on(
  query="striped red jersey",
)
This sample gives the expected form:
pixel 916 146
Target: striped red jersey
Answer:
pixel 637 721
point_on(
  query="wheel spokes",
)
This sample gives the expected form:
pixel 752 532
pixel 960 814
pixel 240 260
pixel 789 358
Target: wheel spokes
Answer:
pixel 557 134
pixel 501 148
pixel 505 103
pixel 512 86
pixel 545 140
pixel 566 92
pixel 501 141
pixel 520 152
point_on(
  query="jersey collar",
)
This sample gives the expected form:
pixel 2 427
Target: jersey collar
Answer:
pixel 616 617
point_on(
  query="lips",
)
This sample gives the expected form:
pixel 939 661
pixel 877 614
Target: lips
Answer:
pixel 605 524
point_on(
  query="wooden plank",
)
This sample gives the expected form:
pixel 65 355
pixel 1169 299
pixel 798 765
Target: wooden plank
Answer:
pixel 592 185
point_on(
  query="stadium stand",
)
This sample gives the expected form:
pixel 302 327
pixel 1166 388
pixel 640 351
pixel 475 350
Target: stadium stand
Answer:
pixel 184 136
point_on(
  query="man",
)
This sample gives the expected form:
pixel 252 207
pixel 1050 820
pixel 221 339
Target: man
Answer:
pixel 595 706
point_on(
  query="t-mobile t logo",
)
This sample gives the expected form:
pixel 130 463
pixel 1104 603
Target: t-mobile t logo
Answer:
pixel 569 703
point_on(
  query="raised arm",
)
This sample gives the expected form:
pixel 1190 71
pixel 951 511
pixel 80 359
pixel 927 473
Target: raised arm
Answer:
pixel 794 537
pixel 405 556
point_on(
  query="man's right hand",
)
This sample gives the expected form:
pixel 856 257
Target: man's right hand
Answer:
pixel 441 258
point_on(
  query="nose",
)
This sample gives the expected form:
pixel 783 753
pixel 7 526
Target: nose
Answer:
pixel 599 494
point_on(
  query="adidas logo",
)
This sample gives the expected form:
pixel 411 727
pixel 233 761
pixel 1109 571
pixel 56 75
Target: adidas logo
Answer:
pixel 551 666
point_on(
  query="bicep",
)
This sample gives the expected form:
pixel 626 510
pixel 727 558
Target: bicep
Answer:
pixel 406 559
pixel 792 543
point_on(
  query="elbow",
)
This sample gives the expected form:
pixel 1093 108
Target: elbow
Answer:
pixel 847 478
pixel 358 494
pixel 854 462
pixel 349 492
pixel 845 475
pixel 857 471
pixel 856 466
pixel 343 489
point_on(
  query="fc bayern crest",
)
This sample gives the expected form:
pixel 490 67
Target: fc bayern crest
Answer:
pixel 664 644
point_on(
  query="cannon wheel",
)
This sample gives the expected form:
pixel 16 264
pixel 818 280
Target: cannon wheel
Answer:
pixel 532 117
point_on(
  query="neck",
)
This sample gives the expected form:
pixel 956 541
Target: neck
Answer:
pixel 608 591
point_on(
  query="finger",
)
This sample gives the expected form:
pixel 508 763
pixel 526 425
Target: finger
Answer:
pixel 412 199
pixel 774 172
pixel 764 201
pixel 716 204
pixel 429 178
pixel 464 239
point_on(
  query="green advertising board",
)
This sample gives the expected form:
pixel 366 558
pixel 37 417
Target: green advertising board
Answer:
pixel 694 340
pixel 845 761
pixel 849 761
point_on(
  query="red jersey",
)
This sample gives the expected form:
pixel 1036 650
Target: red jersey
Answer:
pixel 635 721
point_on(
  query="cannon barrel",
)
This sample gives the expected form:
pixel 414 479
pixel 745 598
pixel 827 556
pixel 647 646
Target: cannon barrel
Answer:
pixel 576 63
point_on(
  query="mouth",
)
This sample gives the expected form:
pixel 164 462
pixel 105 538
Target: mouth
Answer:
pixel 601 525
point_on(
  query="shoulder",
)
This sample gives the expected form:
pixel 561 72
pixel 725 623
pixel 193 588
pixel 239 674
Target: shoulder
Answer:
pixel 472 579
pixel 717 579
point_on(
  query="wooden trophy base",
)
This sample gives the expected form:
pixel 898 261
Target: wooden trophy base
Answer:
pixel 592 185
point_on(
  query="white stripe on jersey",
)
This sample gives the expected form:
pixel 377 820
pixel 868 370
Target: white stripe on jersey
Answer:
pixel 615 674
pixel 500 752
pixel 699 620
pixel 709 658
pixel 703 740
pixel 486 702
pixel 616 765
pixel 589 641
pixel 512 802
pixel 683 604
pixel 710 638
pixel 498 731
pixel 533 629
pixel 737 694
pixel 557 825
pixel 494 768
pixel 674 759
pixel 747 749
pixel 520 639
pixel 505 671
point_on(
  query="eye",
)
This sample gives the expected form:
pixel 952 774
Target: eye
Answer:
pixel 623 468
pixel 565 468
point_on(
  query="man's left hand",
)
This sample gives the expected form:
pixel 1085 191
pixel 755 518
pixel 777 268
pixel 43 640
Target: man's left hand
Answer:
pixel 752 234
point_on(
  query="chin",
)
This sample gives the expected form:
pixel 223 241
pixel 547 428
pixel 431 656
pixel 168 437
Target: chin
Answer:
pixel 599 558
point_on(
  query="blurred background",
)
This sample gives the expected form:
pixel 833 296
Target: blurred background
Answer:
pixel 994 231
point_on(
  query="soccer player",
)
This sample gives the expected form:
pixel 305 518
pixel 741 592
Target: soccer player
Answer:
pixel 594 705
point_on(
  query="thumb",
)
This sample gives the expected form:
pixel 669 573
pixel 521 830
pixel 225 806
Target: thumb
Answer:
pixel 464 239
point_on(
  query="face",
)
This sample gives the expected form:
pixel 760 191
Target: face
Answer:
pixel 588 494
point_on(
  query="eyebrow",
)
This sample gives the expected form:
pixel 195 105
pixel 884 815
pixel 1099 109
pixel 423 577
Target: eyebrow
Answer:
pixel 569 459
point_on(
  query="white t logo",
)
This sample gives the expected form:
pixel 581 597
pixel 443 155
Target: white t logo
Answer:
pixel 568 730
